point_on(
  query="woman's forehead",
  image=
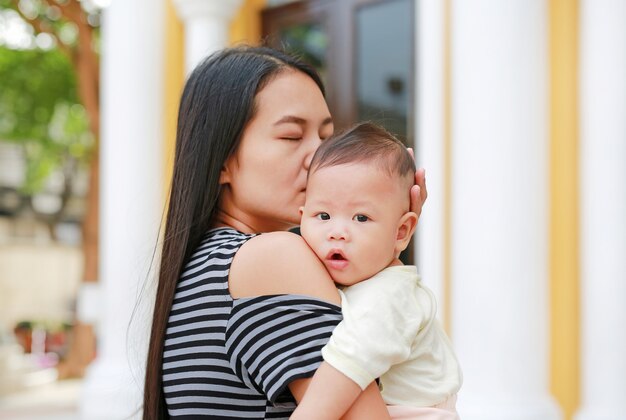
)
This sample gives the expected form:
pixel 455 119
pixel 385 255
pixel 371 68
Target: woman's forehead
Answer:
pixel 291 94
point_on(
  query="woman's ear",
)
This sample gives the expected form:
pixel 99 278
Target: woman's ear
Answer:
pixel 406 227
pixel 225 175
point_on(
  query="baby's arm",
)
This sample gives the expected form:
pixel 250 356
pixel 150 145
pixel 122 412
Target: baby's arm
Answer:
pixel 329 395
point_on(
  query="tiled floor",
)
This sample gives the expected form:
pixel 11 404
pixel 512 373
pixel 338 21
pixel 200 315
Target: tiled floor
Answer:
pixel 55 401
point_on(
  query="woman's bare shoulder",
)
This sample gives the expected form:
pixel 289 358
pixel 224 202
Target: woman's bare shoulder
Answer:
pixel 279 263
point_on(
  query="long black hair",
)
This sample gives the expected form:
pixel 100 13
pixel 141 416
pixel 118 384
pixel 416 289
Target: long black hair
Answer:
pixel 217 103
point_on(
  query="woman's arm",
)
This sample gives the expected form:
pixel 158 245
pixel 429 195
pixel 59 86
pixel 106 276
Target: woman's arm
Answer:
pixel 282 263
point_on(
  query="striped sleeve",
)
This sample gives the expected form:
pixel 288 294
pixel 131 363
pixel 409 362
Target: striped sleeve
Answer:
pixel 273 340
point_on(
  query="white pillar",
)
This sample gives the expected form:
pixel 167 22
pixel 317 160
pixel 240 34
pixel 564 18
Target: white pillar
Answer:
pixel 500 208
pixel 430 140
pixel 131 186
pixel 206 27
pixel 603 208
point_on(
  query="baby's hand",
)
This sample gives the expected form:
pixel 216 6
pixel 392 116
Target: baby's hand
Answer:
pixel 418 191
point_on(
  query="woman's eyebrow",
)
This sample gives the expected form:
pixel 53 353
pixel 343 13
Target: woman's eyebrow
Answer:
pixel 290 119
pixel 299 121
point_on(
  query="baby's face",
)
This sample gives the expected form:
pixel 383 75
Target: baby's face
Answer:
pixel 351 217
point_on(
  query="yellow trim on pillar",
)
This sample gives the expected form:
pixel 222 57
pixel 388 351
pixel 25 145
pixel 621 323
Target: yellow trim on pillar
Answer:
pixel 447 167
pixel 174 81
pixel 564 235
pixel 246 25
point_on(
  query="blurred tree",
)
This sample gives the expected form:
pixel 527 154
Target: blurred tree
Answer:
pixel 40 110
pixel 71 28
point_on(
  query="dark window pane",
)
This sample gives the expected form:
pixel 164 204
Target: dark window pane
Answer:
pixel 384 64
pixel 309 41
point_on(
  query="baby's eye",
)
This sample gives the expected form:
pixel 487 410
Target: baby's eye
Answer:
pixel 323 216
pixel 360 218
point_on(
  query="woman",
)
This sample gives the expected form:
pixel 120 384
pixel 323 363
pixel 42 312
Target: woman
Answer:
pixel 240 318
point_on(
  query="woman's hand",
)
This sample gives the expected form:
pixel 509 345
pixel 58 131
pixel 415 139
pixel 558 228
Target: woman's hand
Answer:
pixel 418 191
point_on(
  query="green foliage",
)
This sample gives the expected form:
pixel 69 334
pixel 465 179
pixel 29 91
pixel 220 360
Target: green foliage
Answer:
pixel 32 82
pixel 308 41
pixel 39 108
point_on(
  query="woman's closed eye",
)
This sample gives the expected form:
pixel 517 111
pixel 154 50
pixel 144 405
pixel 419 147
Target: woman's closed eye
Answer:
pixel 326 129
pixel 291 135
pixel 361 218
pixel 324 136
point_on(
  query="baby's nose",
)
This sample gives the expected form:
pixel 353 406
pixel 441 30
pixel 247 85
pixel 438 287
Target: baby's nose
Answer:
pixel 339 232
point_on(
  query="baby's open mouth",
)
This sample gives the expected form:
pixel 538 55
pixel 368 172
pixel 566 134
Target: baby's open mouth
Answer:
pixel 335 260
pixel 336 255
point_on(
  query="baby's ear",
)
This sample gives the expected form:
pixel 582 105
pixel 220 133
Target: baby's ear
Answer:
pixel 406 227
pixel 301 210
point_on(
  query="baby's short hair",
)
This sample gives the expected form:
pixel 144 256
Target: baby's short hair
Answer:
pixel 362 143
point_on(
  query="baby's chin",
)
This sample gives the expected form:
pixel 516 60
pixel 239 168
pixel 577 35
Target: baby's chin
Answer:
pixel 345 282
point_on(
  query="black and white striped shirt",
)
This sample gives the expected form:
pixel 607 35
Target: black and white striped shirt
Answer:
pixel 233 358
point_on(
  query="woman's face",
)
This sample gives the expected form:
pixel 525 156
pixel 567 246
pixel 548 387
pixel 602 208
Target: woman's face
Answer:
pixel 264 181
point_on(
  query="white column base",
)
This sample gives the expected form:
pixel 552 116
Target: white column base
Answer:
pixel 602 209
pixel 115 395
pixel 602 413
pixel 131 187
pixel 499 221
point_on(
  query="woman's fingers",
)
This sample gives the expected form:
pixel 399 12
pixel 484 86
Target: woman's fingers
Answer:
pixel 418 192
pixel 420 179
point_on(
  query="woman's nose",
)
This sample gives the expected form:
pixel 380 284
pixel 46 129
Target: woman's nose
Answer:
pixel 311 148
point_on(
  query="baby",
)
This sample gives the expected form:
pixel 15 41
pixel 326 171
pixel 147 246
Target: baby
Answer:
pixel 356 219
